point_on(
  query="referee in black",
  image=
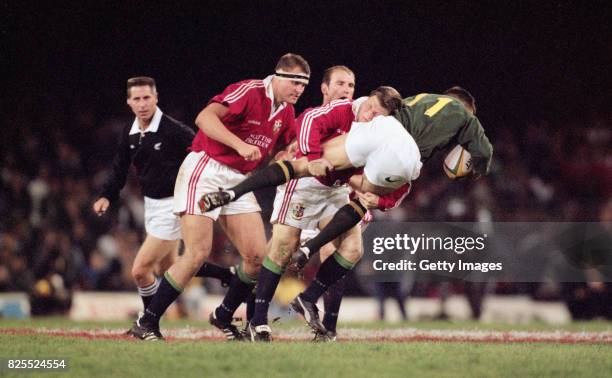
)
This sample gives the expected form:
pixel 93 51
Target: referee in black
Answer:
pixel 157 145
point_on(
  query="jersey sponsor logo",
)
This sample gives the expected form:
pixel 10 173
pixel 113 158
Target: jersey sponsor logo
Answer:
pixel 298 211
pixel 258 140
pixel 157 146
pixel 392 179
pixel 254 122
pixel 277 125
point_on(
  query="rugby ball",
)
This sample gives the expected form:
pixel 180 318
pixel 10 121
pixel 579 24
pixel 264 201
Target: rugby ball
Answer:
pixel 458 163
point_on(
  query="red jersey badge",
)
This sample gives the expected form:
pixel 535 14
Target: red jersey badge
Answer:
pixel 277 125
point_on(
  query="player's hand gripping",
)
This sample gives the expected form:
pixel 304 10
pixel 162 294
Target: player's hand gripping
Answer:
pixel 101 205
pixel 368 200
pixel 288 153
pixel 319 167
pixel 249 152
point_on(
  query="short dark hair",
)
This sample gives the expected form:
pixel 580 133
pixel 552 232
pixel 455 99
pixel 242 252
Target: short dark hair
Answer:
pixel 140 81
pixel 463 95
pixel 289 61
pixel 328 73
pixel 389 97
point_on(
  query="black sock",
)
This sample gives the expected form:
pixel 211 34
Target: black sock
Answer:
pixel 250 306
pixel 273 175
pixel 332 300
pixel 240 287
pixel 346 218
pixel 215 271
pixel 332 269
pixel 146 300
pixel 269 277
pixel 167 292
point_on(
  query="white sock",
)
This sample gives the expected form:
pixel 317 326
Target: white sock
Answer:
pixel 147 291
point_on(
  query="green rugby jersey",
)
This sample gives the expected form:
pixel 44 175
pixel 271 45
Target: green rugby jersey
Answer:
pixel 437 121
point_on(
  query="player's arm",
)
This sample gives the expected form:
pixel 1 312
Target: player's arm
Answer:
pixel 311 163
pixel 334 157
pixel 287 153
pixel 473 138
pixel 380 201
pixel 209 121
pixel 116 180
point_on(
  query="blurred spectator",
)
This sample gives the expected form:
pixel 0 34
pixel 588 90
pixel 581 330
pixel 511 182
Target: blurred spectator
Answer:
pixel 391 290
pixel 593 298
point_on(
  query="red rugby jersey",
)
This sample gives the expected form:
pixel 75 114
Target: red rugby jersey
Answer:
pixel 250 118
pixel 316 126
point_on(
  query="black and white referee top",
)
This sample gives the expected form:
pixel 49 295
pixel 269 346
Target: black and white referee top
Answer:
pixel 157 153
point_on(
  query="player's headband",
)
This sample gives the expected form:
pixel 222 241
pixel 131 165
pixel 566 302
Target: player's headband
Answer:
pixel 301 77
pixel 357 104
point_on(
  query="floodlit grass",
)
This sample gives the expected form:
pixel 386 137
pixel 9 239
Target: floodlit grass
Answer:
pixel 61 322
pixel 121 358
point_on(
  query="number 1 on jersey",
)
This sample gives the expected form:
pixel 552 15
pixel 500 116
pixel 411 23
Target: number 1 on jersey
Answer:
pixel 442 101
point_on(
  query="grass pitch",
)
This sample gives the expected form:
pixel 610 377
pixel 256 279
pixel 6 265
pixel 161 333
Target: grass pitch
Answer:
pixel 91 353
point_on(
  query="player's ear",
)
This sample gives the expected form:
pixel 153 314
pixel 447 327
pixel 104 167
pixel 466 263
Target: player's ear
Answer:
pixel 324 89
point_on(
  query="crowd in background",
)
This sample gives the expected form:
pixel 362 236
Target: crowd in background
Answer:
pixel 52 167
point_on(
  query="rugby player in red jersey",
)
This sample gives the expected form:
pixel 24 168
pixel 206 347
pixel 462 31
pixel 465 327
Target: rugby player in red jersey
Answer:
pixel 309 202
pixel 238 129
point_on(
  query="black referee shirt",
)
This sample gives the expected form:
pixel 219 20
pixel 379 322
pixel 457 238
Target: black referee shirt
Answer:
pixel 157 155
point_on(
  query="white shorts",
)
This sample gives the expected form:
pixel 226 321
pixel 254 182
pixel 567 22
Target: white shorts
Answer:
pixel 201 174
pixel 303 203
pixel 306 235
pixel 160 221
pixel 388 153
